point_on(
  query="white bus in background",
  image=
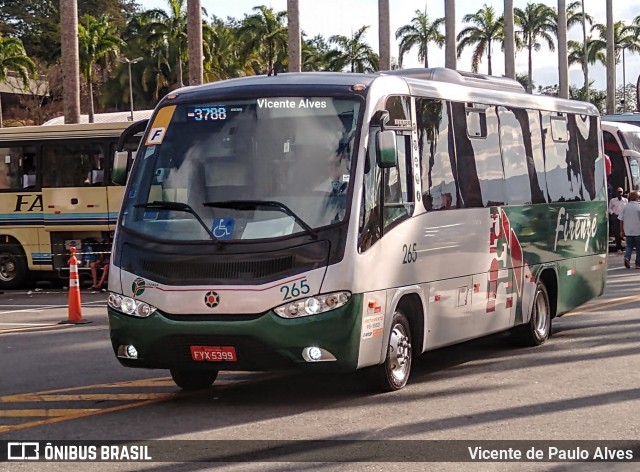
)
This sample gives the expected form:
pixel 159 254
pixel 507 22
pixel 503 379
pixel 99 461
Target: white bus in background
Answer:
pixel 622 145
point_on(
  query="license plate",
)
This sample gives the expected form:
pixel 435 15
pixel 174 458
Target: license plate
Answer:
pixel 213 353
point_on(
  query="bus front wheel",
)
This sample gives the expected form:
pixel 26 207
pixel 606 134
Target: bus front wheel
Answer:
pixel 13 268
pixel 193 379
pixel 538 329
pixel 394 373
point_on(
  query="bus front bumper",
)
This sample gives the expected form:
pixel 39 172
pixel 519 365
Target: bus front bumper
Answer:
pixel 260 342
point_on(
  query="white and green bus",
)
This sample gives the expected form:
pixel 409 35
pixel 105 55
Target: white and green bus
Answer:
pixel 335 222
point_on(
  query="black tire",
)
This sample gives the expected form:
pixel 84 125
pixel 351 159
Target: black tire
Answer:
pixel 14 271
pixel 193 379
pixel 537 330
pixel 394 373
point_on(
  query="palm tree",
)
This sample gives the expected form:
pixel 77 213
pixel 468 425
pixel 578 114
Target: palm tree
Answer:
pixel 352 53
pixel 265 34
pixel 574 15
pixel 488 27
pixel 594 54
pixel 295 37
pixel 537 21
pixel 384 35
pixel 70 60
pixel 167 34
pixel 624 37
pixel 14 57
pixel 563 63
pixel 577 15
pixel 194 34
pixel 420 32
pixel 314 54
pixel 222 54
pixel 450 34
pixel 98 42
pixel 509 40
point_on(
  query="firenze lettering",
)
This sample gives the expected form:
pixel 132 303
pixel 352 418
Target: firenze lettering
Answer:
pixel 578 227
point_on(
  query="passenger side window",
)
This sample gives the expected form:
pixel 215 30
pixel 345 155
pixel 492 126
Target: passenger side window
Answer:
pixel 398 184
pixel 440 186
pixel 488 162
pixel 18 169
pixel 564 178
pixel 73 164
pixel 514 159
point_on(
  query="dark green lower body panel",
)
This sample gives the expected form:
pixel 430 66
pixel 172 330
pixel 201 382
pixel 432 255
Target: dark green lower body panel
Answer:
pixel 263 342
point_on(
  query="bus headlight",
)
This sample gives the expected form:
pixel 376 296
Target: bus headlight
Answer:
pixel 313 305
pixel 130 306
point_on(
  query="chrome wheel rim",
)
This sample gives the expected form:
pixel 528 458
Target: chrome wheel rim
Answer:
pixel 7 268
pixel 399 353
pixel 541 315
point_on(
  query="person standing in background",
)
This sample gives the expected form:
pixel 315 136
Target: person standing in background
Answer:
pixel 616 204
pixel 630 228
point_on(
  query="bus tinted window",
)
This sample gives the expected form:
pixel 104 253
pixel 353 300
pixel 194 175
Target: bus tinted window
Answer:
pixel 465 158
pixel 73 164
pixel 398 192
pixel 399 112
pixel 535 157
pixel 489 164
pixel 440 188
pixel 585 130
pixel 562 174
pixel 514 158
pixel 19 169
pixel 476 121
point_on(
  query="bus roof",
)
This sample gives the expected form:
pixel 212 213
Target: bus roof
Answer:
pixel 614 126
pixel 33 133
pixel 632 118
pixel 433 82
pixel 105 117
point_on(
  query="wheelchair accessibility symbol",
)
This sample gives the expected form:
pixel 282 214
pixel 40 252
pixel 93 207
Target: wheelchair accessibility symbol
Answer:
pixel 222 228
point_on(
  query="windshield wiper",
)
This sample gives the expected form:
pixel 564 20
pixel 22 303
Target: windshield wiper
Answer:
pixel 268 204
pixel 177 206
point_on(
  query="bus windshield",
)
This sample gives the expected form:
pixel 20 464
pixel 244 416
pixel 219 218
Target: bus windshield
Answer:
pixel 237 164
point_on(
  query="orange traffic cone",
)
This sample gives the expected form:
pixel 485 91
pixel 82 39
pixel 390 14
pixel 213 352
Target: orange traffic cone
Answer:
pixel 75 307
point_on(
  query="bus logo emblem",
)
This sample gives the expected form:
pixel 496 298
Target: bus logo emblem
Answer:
pixel 212 299
pixel 138 286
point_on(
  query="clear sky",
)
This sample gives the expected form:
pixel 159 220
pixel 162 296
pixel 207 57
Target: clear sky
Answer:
pixel 329 17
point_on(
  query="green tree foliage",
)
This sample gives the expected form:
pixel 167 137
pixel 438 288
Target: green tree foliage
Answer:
pixel 98 42
pixel 265 36
pixel 222 53
pixel 37 22
pixel 352 53
pixel 314 53
pixel 624 37
pixel 13 57
pixel 166 33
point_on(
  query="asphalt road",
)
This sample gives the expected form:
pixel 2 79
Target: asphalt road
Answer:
pixel 62 382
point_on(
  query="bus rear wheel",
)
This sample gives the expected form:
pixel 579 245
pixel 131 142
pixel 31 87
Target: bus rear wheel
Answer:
pixel 538 329
pixel 193 379
pixel 13 268
pixel 394 373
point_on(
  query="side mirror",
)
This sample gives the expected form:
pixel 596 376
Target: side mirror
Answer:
pixel 119 169
pixel 386 153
